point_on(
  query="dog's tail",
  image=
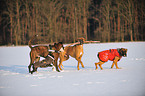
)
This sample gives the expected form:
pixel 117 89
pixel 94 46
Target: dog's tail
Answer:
pixel 29 43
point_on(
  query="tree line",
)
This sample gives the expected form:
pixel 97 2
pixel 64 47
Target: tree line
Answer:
pixel 66 20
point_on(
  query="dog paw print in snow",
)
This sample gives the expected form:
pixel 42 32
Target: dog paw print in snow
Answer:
pixel 33 85
pixel 123 80
pixel 89 82
pixel 100 82
pixel 75 84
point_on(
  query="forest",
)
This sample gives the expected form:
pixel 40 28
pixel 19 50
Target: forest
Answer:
pixel 66 20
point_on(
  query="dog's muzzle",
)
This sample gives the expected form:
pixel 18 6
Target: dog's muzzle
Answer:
pixel 125 55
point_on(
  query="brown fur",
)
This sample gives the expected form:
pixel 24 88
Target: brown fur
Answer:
pixel 43 63
pixel 75 51
pixel 122 51
pixel 42 51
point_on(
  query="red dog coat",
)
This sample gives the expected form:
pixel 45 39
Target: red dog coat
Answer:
pixel 108 55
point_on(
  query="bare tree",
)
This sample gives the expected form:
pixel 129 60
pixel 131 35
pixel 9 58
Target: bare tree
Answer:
pixel 9 12
pixel 105 15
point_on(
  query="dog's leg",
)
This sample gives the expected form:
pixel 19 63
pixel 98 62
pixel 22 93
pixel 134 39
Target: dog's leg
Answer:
pixel 100 64
pixel 82 64
pixel 56 55
pixel 112 64
pixel 29 67
pixel 96 65
pixel 115 62
pixel 37 59
pixel 56 66
pixel 53 68
pixel 81 61
pixel 63 57
pixel 78 65
pixel 31 62
pixel 61 60
pixel 32 59
pixel 60 63
pixel 62 66
pixel 33 69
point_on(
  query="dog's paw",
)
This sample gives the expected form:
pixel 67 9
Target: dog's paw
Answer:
pixel 83 66
pixel 31 72
pixel 118 68
pixel 53 68
pixel 78 68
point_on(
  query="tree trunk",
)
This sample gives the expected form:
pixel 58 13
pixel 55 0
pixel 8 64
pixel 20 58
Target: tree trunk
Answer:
pixel 136 25
pixel 142 21
pixel 126 28
pixel 122 33
pixel 114 27
pixel 18 34
pixel 11 30
pixel 130 20
pixel 118 24
pixel 43 29
pixel 4 35
pixel 85 23
pixel 36 20
pixel 33 20
pixel 26 24
pixel 108 21
pixel 73 16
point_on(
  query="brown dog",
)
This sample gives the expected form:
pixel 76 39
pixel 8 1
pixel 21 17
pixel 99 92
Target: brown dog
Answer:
pixel 113 55
pixel 75 51
pixel 47 62
pixel 43 51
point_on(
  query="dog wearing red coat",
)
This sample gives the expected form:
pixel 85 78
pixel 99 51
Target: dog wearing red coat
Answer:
pixel 113 55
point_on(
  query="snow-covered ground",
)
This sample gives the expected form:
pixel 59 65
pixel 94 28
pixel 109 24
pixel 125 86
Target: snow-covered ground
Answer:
pixel 127 81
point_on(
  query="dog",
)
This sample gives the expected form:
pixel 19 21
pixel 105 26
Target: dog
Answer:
pixel 47 62
pixel 75 51
pixel 43 51
pixel 113 55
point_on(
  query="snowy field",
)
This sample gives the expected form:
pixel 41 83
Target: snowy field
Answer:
pixel 127 81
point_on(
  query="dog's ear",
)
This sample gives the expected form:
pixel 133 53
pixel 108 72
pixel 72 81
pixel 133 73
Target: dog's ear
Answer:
pixel 126 50
pixel 81 38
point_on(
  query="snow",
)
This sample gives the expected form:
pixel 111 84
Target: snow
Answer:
pixel 127 81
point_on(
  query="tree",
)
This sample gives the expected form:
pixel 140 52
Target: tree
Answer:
pixel 9 18
pixel 128 14
pixel 105 15
pixel 66 20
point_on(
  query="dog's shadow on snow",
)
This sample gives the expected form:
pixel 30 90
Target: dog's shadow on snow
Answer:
pixel 75 67
pixel 22 69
